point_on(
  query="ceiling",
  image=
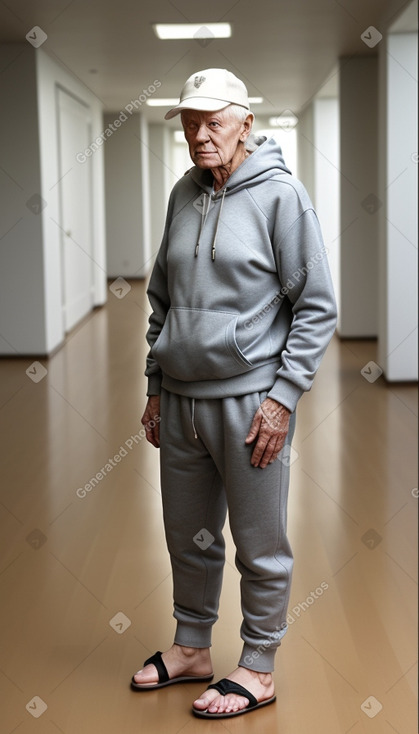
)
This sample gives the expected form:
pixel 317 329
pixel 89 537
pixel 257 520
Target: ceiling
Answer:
pixel 284 50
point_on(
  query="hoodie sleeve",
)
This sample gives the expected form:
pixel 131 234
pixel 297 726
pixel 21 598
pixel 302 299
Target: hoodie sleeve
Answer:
pixel 158 295
pixel 305 280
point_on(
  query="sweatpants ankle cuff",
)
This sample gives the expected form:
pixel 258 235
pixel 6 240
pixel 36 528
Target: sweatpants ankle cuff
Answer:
pixel 259 658
pixel 193 636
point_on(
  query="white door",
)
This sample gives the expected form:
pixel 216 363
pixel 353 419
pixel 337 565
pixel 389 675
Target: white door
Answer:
pixel 75 209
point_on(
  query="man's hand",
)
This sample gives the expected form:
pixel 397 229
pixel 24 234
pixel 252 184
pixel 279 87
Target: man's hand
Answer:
pixel 151 420
pixel 270 427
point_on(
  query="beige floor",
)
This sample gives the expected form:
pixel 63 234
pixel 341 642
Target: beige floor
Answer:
pixel 85 582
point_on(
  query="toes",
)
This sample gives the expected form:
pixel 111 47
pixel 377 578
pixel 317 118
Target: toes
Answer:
pixel 146 675
pixel 201 704
pixel 236 704
pixel 206 700
pixel 227 704
pixel 204 704
pixel 217 706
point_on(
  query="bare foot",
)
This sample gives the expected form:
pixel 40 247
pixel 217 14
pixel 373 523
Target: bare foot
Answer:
pixel 260 684
pixel 179 661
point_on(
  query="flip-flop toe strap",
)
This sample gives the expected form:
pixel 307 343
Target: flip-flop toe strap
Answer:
pixel 225 686
pixel 157 661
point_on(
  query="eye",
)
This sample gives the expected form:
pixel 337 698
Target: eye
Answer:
pixel 214 123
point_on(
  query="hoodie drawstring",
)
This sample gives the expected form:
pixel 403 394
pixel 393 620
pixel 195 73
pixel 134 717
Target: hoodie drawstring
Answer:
pixel 216 228
pixel 193 417
pixel 204 214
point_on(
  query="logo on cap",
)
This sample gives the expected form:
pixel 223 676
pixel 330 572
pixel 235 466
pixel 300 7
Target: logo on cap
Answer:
pixel 198 81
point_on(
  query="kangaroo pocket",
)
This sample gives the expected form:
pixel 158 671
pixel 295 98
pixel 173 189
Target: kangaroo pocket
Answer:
pixel 197 344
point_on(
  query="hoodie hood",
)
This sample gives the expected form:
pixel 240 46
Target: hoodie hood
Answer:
pixel 266 160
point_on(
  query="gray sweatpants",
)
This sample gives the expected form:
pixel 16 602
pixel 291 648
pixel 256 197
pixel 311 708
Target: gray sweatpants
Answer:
pixel 205 469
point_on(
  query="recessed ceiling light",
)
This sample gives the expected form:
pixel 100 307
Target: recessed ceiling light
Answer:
pixel 197 31
pixel 161 102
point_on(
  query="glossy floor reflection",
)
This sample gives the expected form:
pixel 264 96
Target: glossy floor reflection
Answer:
pixel 85 581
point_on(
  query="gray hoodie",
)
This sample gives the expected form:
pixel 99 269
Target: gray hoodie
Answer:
pixel 241 294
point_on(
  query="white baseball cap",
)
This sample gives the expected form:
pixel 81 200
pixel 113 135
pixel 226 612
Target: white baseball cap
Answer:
pixel 210 90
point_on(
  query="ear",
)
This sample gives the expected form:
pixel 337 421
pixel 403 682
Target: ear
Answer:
pixel 246 127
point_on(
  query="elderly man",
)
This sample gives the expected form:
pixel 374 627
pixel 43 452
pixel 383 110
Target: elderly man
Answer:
pixel 242 312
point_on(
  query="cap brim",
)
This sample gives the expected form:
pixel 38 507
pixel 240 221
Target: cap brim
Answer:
pixel 203 104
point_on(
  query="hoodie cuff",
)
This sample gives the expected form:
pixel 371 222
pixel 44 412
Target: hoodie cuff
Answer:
pixel 286 393
pixel 154 384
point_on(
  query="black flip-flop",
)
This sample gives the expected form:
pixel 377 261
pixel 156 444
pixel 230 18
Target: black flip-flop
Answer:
pixel 164 679
pixel 225 686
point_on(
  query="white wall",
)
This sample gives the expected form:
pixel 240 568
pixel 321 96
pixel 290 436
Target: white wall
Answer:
pixel 146 250
pixel 22 307
pixel 318 169
pixel 305 142
pixel 127 198
pixel 399 232
pixel 358 80
pixel 49 75
pixel 180 160
pixel 160 179
pixel 30 271
pixel 327 181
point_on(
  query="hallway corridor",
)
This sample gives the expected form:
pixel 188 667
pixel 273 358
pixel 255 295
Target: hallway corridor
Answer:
pixel 85 580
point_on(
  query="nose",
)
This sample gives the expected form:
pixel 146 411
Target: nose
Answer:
pixel 202 134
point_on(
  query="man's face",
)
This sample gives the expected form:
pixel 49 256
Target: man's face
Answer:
pixel 213 137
